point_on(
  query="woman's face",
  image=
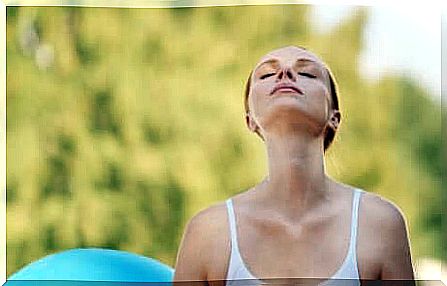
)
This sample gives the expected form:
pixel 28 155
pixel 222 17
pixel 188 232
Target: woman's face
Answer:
pixel 289 85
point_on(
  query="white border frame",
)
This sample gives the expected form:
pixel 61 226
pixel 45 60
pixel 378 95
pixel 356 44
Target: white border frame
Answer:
pixel 136 4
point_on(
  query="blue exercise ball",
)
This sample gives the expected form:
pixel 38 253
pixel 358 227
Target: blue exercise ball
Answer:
pixel 92 264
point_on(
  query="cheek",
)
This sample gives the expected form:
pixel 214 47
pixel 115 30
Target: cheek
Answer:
pixel 318 98
pixel 259 96
pixel 261 88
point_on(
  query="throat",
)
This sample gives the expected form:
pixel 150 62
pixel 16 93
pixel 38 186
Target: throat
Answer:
pixel 294 197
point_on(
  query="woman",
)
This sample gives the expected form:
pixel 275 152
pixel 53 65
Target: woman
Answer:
pixel 298 222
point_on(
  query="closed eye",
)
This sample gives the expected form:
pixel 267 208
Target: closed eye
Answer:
pixel 266 75
pixel 307 74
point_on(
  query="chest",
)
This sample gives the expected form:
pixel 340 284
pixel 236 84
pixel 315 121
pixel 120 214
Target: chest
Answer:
pixel 279 250
pixel 268 249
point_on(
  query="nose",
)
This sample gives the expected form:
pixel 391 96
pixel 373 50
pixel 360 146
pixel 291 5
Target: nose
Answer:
pixel 286 73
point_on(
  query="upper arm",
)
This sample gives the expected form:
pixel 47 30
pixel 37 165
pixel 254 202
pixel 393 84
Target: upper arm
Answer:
pixel 191 259
pixel 201 253
pixel 396 258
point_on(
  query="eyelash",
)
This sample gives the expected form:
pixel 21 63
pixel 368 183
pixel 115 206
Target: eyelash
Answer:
pixel 307 74
pixel 300 73
pixel 266 75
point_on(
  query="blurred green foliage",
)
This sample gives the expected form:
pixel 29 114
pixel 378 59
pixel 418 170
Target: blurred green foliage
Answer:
pixel 123 123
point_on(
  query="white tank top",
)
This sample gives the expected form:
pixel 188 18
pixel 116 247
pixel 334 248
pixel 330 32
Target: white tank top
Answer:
pixel 347 274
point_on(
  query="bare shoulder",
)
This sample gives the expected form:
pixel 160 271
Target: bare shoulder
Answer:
pixel 381 212
pixel 204 244
pixel 383 239
pixel 376 210
pixel 209 221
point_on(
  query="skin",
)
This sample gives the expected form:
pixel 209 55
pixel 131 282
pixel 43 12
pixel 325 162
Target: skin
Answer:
pixel 296 222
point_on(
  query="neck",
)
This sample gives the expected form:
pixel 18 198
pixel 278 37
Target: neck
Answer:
pixel 296 179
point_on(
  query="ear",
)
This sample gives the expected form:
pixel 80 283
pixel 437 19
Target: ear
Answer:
pixel 251 124
pixel 334 119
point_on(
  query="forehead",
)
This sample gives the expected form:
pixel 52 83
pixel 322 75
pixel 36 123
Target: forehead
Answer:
pixel 290 54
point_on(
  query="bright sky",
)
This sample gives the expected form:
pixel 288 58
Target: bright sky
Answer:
pixel 397 39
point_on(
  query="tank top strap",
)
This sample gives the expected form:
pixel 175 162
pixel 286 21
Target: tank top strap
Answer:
pixel 355 219
pixel 232 222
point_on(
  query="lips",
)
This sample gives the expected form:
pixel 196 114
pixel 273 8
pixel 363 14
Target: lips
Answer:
pixel 286 87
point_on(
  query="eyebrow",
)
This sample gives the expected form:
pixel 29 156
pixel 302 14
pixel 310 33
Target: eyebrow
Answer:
pixel 269 61
pixel 274 60
pixel 306 60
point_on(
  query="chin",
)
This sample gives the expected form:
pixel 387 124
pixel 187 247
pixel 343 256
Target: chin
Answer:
pixel 291 114
pixel 287 106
